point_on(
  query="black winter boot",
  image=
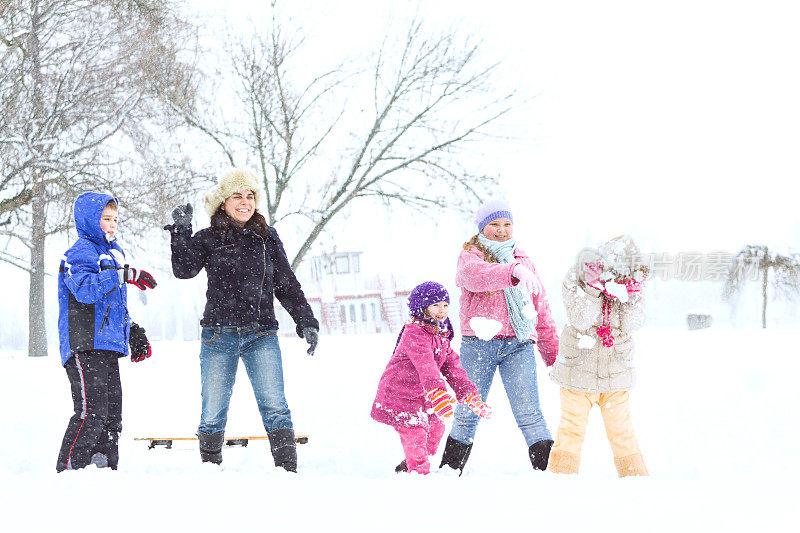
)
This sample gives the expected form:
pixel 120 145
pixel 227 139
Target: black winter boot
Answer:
pixel 455 454
pixel 539 453
pixel 402 467
pixel 284 450
pixel 100 460
pixel 211 446
pixel 106 453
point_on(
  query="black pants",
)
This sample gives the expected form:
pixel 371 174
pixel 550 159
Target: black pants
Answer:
pixel 97 422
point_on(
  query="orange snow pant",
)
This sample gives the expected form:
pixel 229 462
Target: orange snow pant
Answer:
pixel 615 408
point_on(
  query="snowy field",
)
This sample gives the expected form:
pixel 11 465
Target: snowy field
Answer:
pixel 716 412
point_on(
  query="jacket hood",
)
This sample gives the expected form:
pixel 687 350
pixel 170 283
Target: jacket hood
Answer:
pixel 620 255
pixel 88 208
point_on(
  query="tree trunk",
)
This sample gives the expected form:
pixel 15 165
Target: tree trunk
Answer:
pixel 37 330
pixel 764 297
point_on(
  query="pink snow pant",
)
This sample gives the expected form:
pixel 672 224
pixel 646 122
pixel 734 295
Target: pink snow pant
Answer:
pixel 419 442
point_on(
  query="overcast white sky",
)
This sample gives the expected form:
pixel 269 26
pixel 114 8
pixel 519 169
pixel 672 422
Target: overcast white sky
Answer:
pixel 677 122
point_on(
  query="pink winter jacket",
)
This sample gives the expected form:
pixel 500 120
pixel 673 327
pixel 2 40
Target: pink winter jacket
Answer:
pixel 482 285
pixel 421 358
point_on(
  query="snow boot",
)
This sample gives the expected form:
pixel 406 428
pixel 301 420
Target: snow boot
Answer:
pixel 455 454
pixel 99 460
pixel 211 446
pixel 284 449
pixel 562 462
pixel 402 467
pixel 632 465
pixel 539 453
pixel 106 453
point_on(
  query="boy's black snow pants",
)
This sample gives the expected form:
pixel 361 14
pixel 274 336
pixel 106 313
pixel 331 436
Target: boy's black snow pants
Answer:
pixel 97 398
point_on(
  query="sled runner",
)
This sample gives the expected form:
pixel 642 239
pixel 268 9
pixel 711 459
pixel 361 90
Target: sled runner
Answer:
pixel 232 441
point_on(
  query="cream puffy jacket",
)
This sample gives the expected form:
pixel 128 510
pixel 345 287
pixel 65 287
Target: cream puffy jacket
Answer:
pixel 583 363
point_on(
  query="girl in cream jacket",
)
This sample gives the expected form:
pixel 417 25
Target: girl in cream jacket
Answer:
pixel 603 298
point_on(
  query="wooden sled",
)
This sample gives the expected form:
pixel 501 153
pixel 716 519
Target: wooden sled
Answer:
pixel 229 441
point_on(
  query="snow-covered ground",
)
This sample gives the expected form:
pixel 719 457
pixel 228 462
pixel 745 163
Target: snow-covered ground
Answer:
pixel 716 412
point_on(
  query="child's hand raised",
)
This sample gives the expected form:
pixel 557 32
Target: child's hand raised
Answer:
pixel 478 407
pixel 526 278
pixel 441 401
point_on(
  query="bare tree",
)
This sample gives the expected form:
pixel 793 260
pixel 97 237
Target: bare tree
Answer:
pixel 418 107
pixel 77 84
pixel 785 269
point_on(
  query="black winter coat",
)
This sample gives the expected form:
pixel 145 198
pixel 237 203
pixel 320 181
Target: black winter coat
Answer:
pixel 244 272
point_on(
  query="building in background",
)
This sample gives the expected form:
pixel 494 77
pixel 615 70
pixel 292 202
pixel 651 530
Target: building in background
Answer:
pixel 346 299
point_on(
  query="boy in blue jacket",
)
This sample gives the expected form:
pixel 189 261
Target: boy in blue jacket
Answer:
pixel 94 330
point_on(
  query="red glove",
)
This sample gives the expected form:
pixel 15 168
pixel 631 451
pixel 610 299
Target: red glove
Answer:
pixel 478 407
pixel 140 346
pixel 140 278
pixel 441 401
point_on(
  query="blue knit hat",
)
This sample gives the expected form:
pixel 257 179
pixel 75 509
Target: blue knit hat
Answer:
pixel 492 210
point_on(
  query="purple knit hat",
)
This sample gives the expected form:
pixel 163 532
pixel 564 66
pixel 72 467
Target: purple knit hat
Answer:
pixel 491 210
pixel 425 294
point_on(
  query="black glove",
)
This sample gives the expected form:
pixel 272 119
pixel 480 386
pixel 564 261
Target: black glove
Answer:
pixel 182 218
pixel 140 278
pixel 140 346
pixel 311 335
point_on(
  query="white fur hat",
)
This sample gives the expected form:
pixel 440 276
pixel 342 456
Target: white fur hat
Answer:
pixel 235 180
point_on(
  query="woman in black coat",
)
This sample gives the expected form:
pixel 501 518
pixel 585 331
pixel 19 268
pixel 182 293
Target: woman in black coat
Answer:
pixel 246 266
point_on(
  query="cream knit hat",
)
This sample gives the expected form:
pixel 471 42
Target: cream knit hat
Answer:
pixel 235 180
pixel 620 254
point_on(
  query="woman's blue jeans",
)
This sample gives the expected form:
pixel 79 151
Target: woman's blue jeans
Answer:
pixel 517 363
pixel 219 358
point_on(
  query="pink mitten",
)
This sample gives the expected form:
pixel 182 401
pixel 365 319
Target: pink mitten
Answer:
pixel 478 407
pixel 634 286
pixel 591 274
pixel 526 278
pixel 441 401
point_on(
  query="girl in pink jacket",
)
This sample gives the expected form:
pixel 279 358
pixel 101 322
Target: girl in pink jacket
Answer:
pixel 412 393
pixel 504 312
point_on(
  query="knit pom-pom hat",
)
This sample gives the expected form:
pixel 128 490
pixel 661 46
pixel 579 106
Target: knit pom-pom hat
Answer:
pixel 620 255
pixel 235 180
pixel 424 295
pixel 492 210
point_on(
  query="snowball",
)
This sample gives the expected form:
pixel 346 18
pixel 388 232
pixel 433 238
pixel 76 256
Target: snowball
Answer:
pixel 586 342
pixel 617 289
pixel 529 312
pixel 119 257
pixel 485 328
pixel 623 269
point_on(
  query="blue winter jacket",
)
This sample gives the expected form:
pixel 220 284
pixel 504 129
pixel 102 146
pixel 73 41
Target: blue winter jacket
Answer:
pixel 92 304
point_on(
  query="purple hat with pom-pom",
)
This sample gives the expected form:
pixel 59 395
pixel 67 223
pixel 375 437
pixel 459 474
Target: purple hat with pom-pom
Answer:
pixel 425 294
pixel 492 210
